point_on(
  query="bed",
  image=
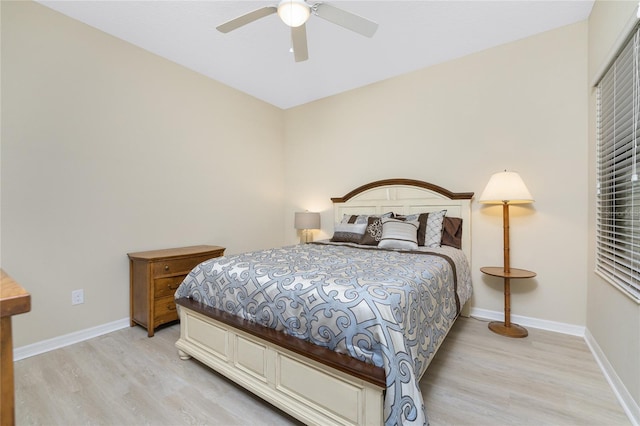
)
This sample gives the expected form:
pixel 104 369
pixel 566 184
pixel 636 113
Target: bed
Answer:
pixel 339 331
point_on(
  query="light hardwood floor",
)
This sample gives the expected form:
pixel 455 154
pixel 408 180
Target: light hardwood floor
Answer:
pixel 477 378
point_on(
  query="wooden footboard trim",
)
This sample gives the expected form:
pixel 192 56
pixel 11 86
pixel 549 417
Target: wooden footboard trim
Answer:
pixel 299 385
pixel 346 364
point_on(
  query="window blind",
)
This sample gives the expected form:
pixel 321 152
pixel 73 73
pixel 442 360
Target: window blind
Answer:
pixel 618 183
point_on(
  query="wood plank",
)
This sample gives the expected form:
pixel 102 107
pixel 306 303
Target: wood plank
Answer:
pixel 477 378
pixel 13 298
pixel 174 252
pixel 546 378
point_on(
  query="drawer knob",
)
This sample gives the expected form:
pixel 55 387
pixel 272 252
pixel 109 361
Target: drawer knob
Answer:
pixel 171 307
pixel 166 267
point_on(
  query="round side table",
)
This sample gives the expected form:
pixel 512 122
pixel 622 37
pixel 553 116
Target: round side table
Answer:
pixel 506 328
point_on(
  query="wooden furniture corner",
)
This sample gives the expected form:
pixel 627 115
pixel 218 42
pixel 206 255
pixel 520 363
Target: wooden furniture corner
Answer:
pixel 154 277
pixel 14 300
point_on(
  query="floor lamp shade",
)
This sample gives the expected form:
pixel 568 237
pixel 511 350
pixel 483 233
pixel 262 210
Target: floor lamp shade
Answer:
pixel 506 187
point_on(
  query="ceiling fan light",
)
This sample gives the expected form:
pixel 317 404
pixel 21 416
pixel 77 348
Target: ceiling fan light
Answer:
pixel 293 12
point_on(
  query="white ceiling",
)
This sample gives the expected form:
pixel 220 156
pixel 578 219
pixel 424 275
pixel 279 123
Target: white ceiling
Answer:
pixel 255 59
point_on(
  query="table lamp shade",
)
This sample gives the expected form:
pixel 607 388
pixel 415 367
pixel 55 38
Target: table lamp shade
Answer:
pixel 506 187
pixel 306 220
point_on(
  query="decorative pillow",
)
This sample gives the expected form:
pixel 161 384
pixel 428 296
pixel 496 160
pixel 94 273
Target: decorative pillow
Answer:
pixel 373 232
pixel 354 218
pixel 362 218
pixel 420 217
pixel 452 232
pixel 399 234
pixel 433 228
pixel 348 232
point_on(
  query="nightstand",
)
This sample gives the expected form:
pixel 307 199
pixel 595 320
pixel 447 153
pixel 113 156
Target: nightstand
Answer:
pixel 154 277
pixel 506 328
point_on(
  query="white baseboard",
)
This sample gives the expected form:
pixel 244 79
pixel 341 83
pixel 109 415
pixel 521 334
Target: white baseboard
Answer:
pixel 630 406
pixel 558 327
pixel 68 339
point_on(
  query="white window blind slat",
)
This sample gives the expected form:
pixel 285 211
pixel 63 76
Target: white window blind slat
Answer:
pixel 618 186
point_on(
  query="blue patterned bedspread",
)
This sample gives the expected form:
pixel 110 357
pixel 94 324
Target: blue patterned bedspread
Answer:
pixel 389 308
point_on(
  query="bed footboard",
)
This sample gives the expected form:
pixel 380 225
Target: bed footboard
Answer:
pixel 306 389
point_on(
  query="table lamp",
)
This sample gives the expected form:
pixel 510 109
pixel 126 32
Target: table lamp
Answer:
pixel 306 221
pixel 506 188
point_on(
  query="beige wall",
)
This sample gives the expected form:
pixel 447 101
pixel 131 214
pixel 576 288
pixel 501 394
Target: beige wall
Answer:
pixel 107 149
pixel 612 318
pixel 520 106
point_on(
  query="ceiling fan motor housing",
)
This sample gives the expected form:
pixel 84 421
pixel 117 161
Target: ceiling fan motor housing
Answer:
pixel 293 12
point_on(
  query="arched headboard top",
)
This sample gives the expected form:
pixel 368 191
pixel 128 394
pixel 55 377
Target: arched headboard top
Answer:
pixel 405 182
pixel 407 196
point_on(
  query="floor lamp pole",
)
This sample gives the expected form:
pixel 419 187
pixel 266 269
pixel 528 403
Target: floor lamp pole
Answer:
pixel 506 328
pixel 507 264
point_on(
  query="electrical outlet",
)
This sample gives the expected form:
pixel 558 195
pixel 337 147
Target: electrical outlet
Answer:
pixel 77 297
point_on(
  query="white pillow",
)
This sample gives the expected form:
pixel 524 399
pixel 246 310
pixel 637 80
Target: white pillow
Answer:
pixel 399 234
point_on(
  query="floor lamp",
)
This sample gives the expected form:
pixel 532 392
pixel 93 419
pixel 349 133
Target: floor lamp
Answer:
pixel 506 188
pixel 306 221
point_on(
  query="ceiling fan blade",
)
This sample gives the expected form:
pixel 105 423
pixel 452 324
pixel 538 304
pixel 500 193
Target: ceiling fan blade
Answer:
pixel 345 19
pixel 246 19
pixel 299 39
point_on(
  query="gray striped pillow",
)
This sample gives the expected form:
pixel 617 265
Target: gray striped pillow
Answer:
pixel 399 234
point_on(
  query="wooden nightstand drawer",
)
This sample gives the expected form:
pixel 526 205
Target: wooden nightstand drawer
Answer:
pixel 167 286
pixel 165 310
pixel 177 266
pixel 155 276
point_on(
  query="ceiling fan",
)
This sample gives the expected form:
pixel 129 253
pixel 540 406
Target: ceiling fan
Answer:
pixel 295 14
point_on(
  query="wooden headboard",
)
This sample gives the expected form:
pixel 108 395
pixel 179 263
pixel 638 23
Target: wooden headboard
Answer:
pixel 407 196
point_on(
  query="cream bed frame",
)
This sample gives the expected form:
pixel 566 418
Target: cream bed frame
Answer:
pixel 312 384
